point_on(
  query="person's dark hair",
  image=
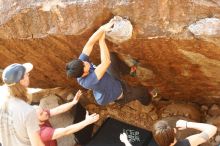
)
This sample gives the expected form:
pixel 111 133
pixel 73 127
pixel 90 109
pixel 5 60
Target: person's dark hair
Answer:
pixel 74 68
pixel 163 133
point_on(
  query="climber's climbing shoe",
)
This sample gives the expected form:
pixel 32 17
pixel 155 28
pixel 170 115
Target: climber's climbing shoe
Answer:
pixel 133 70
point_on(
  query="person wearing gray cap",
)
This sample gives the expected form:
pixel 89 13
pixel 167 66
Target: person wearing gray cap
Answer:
pixel 18 120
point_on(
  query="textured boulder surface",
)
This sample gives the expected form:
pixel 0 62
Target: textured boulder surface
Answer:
pixel 176 42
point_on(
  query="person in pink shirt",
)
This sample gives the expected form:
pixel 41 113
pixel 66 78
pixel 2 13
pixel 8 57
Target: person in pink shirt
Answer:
pixel 49 134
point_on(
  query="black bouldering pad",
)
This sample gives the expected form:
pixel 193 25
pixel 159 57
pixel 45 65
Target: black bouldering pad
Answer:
pixel 109 132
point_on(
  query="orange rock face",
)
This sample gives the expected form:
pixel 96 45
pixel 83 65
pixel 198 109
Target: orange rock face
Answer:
pixel 177 52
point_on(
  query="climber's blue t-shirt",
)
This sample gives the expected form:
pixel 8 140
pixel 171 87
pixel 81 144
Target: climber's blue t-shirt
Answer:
pixel 105 90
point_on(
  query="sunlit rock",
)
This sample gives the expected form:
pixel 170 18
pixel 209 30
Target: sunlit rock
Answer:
pixel 50 33
pixel 206 27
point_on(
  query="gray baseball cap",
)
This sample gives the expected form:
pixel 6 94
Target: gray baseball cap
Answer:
pixel 15 72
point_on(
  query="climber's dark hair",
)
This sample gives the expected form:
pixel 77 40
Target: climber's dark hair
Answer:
pixel 75 68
